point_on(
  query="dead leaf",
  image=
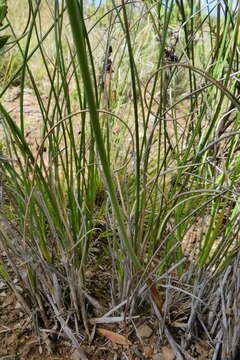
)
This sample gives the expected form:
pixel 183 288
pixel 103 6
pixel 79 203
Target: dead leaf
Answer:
pixel 148 351
pixel 203 349
pixel 8 301
pixel 114 337
pixel 167 353
pixel 157 297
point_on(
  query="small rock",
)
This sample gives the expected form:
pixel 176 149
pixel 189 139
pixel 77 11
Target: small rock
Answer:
pixel 2 285
pixel 18 305
pixel 157 357
pixel 27 91
pixel 19 289
pixel 144 331
pixel 160 356
pixel 75 355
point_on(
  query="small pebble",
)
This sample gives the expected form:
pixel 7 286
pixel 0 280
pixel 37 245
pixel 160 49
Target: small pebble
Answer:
pixel 144 331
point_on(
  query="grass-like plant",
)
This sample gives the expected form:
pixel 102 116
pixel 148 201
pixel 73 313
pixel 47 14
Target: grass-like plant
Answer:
pixel 133 178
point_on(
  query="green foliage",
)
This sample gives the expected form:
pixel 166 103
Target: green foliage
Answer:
pixel 3 10
pixel 3 13
pixel 136 146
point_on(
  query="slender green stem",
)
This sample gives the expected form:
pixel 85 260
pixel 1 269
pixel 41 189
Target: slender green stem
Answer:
pixel 79 40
